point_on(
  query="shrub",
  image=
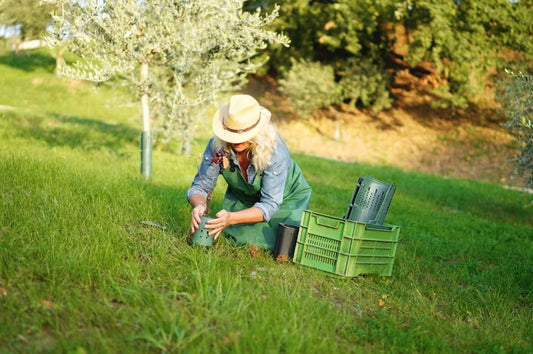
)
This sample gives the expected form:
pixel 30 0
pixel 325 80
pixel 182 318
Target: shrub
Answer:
pixel 363 81
pixel 518 105
pixel 310 86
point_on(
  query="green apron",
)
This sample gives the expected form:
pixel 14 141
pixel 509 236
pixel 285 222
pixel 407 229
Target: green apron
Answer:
pixel 242 195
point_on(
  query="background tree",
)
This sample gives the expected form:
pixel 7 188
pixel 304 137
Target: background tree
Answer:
pixel 28 18
pixel 346 35
pixel 178 54
pixel 463 42
pixel 465 39
pixel 518 103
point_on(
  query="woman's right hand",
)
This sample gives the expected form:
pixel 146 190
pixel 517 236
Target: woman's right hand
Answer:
pixel 197 212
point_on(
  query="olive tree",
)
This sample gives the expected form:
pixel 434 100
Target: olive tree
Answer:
pixel 28 19
pixel 518 106
pixel 180 55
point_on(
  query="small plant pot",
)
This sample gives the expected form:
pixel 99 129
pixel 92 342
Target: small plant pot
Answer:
pixel 285 242
pixel 201 236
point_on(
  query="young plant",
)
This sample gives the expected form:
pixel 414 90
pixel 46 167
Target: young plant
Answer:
pixel 220 158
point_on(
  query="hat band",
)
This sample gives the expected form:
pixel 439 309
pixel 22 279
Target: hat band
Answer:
pixel 240 131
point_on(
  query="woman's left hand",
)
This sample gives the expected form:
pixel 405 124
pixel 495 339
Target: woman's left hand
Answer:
pixel 223 220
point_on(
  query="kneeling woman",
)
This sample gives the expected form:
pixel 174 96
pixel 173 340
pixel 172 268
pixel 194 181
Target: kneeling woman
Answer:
pixel 265 186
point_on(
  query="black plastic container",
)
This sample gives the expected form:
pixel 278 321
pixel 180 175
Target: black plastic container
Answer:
pixel 285 241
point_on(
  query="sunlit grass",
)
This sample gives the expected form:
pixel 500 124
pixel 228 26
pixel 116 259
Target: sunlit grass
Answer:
pixel 80 271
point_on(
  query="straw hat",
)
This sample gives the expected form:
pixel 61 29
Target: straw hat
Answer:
pixel 240 120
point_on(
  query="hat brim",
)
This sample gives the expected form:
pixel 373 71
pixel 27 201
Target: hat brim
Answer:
pixel 233 137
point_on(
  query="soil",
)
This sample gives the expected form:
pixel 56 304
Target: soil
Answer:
pixel 282 258
pixel 254 251
pixel 412 135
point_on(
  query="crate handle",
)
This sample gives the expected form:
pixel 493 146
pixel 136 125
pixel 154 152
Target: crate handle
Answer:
pixel 327 222
pixel 378 227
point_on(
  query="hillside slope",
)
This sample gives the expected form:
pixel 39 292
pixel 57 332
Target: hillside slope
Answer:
pixel 413 136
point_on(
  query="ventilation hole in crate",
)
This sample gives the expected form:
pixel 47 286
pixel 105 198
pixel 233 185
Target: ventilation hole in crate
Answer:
pixel 321 252
pixel 323 242
pixel 319 259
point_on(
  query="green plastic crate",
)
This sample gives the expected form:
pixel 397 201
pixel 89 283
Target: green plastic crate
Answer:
pixel 345 247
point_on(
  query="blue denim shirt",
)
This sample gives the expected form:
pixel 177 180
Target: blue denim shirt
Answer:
pixel 273 182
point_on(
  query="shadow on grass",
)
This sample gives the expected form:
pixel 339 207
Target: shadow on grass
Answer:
pixel 29 61
pixel 72 131
pixel 168 202
pixel 172 204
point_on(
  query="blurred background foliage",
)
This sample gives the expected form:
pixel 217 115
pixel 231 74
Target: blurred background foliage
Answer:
pixel 350 52
pixel 462 43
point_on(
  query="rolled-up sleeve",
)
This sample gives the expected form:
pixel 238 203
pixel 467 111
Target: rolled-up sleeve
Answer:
pixel 273 182
pixel 206 178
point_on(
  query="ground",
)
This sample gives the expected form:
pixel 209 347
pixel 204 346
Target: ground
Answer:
pixel 411 135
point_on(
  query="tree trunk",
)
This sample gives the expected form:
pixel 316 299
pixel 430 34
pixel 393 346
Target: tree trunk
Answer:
pixel 60 60
pixel 16 44
pixel 146 135
pixel 339 134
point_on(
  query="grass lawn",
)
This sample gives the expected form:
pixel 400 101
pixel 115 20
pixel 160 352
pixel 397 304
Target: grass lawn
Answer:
pixel 81 272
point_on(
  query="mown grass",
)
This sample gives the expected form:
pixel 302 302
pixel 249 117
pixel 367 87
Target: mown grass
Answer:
pixel 79 271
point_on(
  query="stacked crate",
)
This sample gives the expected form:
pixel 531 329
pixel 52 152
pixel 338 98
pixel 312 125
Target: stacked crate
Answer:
pixel 358 243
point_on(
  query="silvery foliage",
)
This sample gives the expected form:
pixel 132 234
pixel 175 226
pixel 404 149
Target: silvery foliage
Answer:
pixel 518 106
pixel 194 49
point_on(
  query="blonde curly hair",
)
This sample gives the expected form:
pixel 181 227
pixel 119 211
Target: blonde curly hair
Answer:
pixel 262 146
